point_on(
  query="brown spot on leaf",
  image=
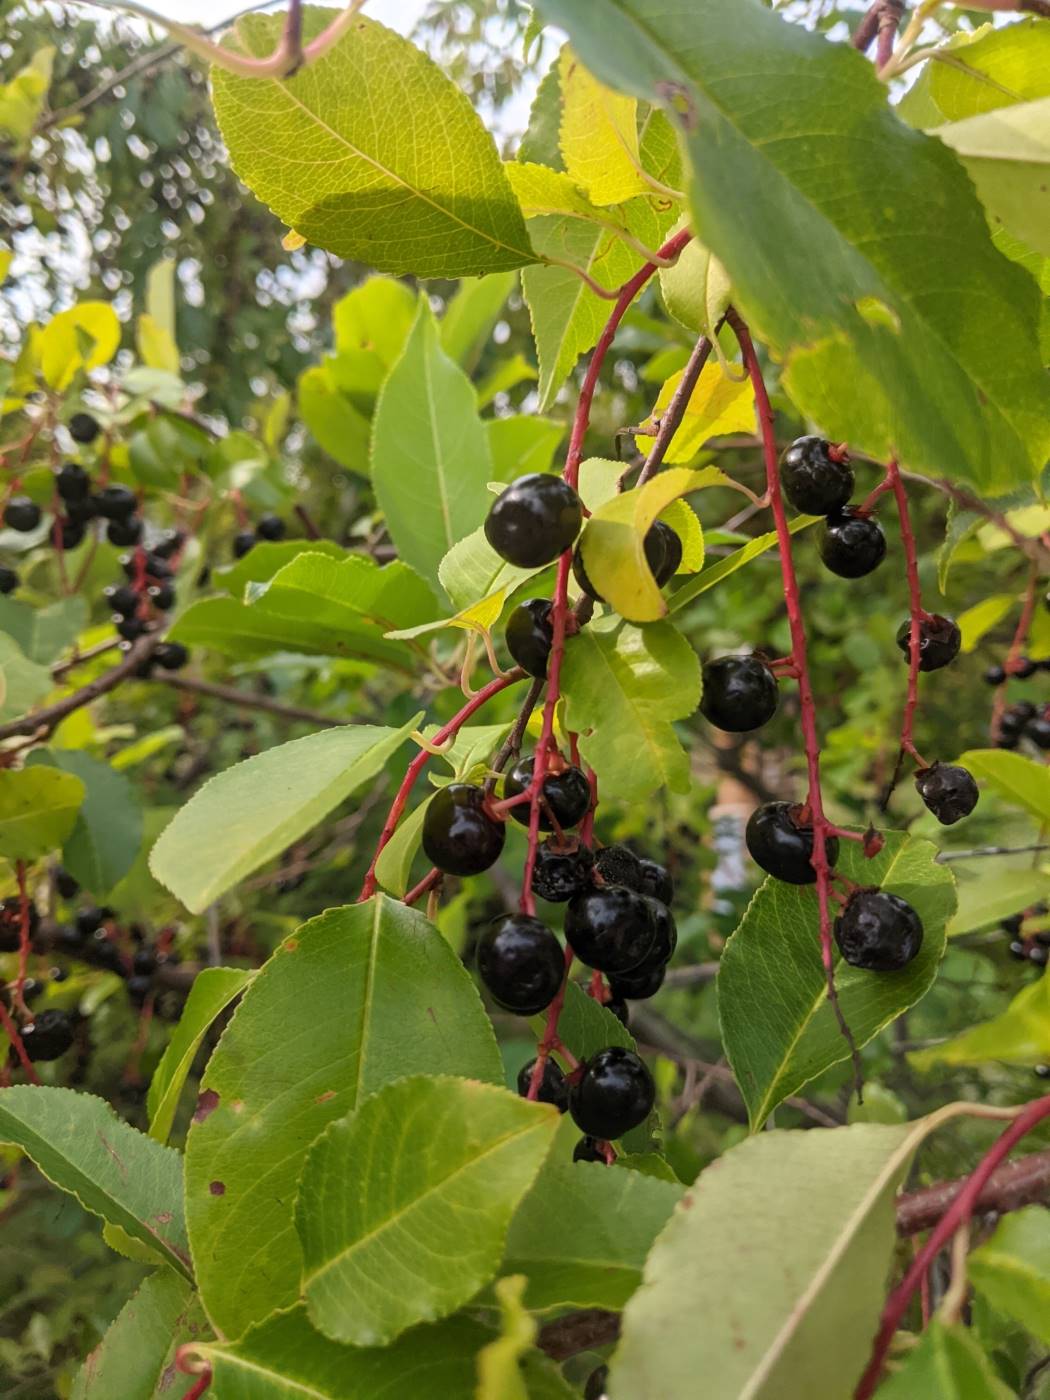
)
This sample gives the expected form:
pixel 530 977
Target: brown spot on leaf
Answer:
pixel 292 945
pixel 687 1201
pixel 116 1158
pixel 163 1217
pixel 217 1188
pixel 324 1098
pixel 681 102
pixel 207 1103
pixel 430 1013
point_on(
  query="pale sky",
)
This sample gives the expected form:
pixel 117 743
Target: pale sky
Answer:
pixel 397 14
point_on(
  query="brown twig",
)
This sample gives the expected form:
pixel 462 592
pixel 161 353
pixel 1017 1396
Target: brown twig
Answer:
pixel 578 1331
pixel 246 700
pixel 676 409
pixel 1016 1184
pixel 44 722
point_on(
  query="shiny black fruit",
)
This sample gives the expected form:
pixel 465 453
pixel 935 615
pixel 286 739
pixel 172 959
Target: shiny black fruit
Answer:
pixel 611 928
pixel 22 514
pixel 740 693
pixel 83 427
pixel 534 520
pixel 529 635
pixel 559 875
pixel 817 479
pixel 553 1088
pixel 852 545
pixel 243 541
pixel 567 795
pixel 613 1095
pixel 115 502
pixel 653 879
pixel 939 641
pixel 48 1035
pixel 878 931
pixel 521 963
pixel 271 527
pixel 949 791
pixel 459 836
pixel 782 845
pixel 72 482
pixel 123 533
pixel 8 580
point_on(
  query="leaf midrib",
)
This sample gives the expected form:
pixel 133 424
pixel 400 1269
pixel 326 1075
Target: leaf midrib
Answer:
pixel 409 1206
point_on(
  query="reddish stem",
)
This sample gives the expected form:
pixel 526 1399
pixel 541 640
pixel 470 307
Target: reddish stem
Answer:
pixel 18 995
pixel 417 765
pixel 11 1031
pixel 1024 623
pixel 428 882
pixel 199 1387
pixel 956 1216
pixel 550 1034
pixel 807 702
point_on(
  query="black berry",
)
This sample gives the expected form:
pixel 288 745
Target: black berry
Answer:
pixel 1038 730
pixel 669 544
pixel 783 845
pixel 1013 923
pixel 162 596
pixel 243 541
pixel 995 675
pixel 740 693
pixel 1024 668
pixel 618 1007
pixel 529 635
pixel 553 1088
pixel 171 656
pixel 654 880
pixel 69 533
pixel 852 545
pixel 459 836
pixel 567 795
pixel 8 580
pixel 559 875
pixel 618 865
pixel 138 989
pixel 666 937
pixel 22 514
pixel 639 985
pixel 48 1035
pixel 521 963
pixel 939 641
pixel 271 527
pixel 169 543
pixel 1015 717
pixel 81 510
pixel 123 599
pixel 596 1383
pixel 124 532
pixel 611 928
pixel 115 502
pixel 65 884
pixel 613 1095
pixel 878 931
pixel 815 481
pixel 72 482
pixel 534 520
pixel 88 920
pixel 949 791
pixel 588 1149
pixel 83 427
pixel 131 628
pixel 144 962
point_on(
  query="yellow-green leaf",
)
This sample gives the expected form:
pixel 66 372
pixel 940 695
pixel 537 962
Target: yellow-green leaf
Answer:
pixel 155 345
pixel 613 541
pixel 599 136
pixel 718 404
pixel 1020 1036
pixel 499 1377
pixel 1022 780
pixel 84 337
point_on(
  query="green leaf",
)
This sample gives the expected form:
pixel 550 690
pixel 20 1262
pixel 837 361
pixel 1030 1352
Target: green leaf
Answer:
pixel 696 288
pixel 988 897
pixel 107 833
pixel 582 1233
pixel 869 339
pixel 1007 155
pixel 803 1328
pixel 982 617
pixel 947 1364
pixel 43 633
pixel 981 71
pixel 613 541
pixel 778 1027
pixel 715 573
pixel 213 990
pixel 1019 1036
pixel 422 1154
pixel 380 995
pixel 430 452
pixel 371 324
pixel 472 569
pixel 499 1377
pixel 341 429
pixel 1020 780
pixel 540 142
pixel 22 682
pixel 136 1357
pixel 623 686
pixel 85 336
pixel 38 809
pixel 243 817
pixel 285 1358
pixel 471 315
pixel 585 1027
pixel 316 605
pixel 267 558
pixel 1012 1269
pixel 394 865
pixel 522 443
pixel 429 199
pixel 82 1147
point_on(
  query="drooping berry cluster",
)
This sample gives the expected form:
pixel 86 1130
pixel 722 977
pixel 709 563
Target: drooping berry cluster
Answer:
pixel 818 480
pixel 267 527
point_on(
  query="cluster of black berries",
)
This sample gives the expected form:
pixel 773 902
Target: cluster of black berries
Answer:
pixel 139 603
pixel 1024 721
pixel 267 527
pixel 50 1033
pixel 818 480
pixel 1033 947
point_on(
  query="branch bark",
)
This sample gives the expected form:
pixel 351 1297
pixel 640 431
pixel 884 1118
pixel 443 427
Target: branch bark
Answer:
pixel 1022 1183
pixel 246 700
pixel 44 722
